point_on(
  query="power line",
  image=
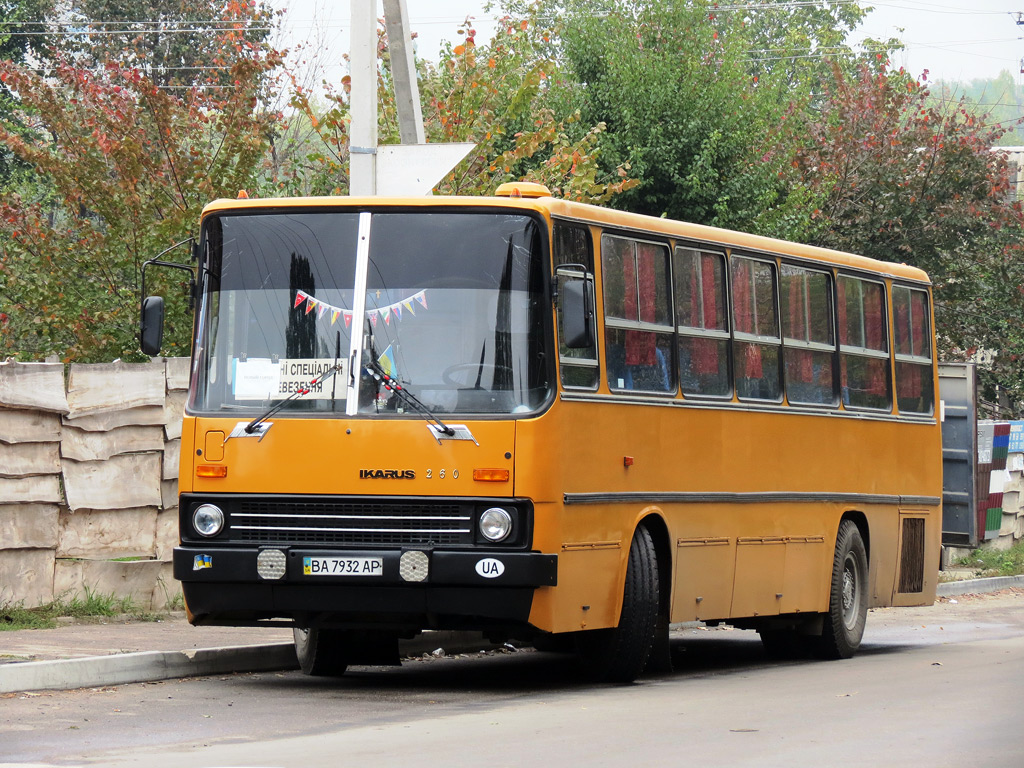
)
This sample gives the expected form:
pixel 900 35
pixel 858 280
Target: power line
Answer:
pixel 91 32
pixel 92 22
pixel 943 9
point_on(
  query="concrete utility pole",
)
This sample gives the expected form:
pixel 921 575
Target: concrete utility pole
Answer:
pixel 412 167
pixel 403 70
pixel 363 136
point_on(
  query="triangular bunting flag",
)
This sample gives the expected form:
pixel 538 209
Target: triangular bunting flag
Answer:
pixel 421 297
pixel 310 304
pixel 300 296
pixel 348 318
pixel 321 309
pixel 373 320
pixel 408 305
pixel 397 309
pixel 334 315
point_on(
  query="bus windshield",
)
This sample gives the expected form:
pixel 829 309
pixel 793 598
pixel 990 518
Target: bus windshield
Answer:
pixel 454 312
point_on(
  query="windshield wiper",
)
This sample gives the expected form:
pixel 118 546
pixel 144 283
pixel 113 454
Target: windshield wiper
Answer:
pixel 374 369
pixel 253 425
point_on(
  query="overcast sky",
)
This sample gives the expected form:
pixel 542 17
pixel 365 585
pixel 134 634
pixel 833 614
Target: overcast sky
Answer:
pixel 953 39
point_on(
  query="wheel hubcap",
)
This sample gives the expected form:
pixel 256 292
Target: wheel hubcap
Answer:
pixel 851 595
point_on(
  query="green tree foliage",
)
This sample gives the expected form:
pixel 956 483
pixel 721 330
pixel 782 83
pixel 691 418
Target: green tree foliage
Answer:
pixel 22 35
pixel 903 180
pixel 131 165
pixel 705 105
pixel 500 96
pixel 22 39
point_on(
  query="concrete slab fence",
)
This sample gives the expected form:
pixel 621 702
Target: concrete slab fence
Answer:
pixel 89 479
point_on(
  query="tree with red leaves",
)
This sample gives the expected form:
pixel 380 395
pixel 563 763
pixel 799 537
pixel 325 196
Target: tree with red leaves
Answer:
pixel 899 179
pixel 128 166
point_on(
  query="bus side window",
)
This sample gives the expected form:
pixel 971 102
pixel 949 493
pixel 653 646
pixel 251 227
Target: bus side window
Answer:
pixel 910 319
pixel 638 317
pixel 863 344
pixel 572 246
pixel 756 330
pixel 702 323
pixel 807 329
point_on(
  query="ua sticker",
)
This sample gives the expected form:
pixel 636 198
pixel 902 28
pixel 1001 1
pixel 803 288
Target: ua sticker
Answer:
pixel 201 562
pixel 490 568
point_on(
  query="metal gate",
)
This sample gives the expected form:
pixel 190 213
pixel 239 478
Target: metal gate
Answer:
pixel 959 454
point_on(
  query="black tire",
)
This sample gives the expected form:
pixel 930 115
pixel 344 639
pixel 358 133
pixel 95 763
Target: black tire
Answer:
pixel 321 652
pixel 618 655
pixel 848 597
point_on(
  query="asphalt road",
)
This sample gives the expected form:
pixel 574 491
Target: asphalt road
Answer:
pixel 938 686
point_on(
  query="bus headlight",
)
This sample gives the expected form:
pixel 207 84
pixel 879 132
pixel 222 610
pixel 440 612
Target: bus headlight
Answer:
pixel 495 524
pixel 208 520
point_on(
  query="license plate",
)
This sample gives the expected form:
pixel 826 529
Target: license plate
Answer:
pixel 343 566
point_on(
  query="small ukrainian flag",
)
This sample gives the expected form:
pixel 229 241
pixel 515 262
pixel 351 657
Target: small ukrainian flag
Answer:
pixel 387 361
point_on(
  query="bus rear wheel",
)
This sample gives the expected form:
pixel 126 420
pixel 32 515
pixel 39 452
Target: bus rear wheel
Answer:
pixel 618 655
pixel 321 652
pixel 848 597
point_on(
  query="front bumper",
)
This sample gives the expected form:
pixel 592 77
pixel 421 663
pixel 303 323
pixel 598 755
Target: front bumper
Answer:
pixel 450 568
pixel 460 589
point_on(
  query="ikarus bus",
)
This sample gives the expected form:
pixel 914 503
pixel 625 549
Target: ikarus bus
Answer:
pixel 547 421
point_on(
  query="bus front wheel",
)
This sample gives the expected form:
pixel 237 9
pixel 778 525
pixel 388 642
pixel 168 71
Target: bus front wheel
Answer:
pixel 848 597
pixel 321 652
pixel 618 655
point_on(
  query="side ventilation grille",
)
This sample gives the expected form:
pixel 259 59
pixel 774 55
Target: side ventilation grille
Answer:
pixel 912 555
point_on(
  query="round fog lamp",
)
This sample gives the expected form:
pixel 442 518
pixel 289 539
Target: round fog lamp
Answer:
pixel 495 524
pixel 208 520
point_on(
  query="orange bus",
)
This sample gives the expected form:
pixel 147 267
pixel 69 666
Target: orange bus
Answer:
pixel 551 422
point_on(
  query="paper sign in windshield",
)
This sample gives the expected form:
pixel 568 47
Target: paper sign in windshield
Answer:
pixel 264 379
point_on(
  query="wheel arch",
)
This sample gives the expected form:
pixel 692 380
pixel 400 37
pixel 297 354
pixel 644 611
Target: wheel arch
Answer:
pixel 861 521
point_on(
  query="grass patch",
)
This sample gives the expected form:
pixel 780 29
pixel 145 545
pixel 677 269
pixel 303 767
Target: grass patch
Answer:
pixel 17 616
pixel 90 604
pixel 96 604
pixel 990 562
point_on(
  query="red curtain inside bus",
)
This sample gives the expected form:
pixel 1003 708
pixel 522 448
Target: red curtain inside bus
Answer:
pixel 803 371
pixel 868 306
pixel 743 306
pixel 640 345
pixel 704 312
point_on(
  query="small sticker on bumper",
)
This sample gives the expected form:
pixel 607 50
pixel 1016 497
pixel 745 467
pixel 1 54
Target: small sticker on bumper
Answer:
pixel 490 568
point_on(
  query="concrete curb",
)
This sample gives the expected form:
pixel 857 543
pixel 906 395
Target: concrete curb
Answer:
pixel 149 666
pixel 971 586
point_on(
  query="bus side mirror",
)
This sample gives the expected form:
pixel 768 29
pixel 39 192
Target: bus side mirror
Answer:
pixel 151 335
pixel 577 313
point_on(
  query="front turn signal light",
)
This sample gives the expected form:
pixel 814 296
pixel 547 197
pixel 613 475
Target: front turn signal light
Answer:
pixel 491 475
pixel 211 470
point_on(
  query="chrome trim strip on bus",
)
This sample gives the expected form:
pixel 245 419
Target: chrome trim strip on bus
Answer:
pixel 926 501
pixel 759 497
pixel 722 404
pixel 313 529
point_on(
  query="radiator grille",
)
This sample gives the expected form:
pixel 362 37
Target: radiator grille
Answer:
pixel 351 523
pixel 912 555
